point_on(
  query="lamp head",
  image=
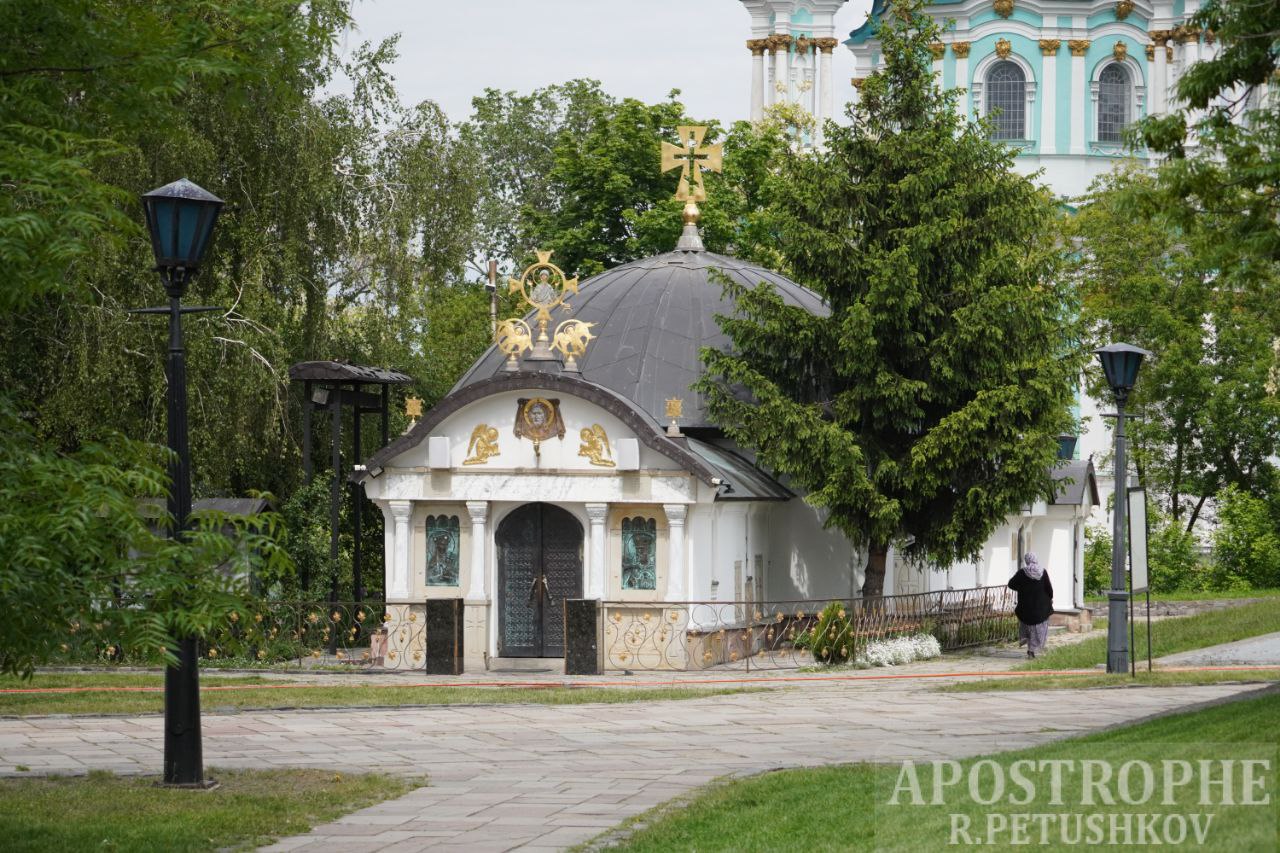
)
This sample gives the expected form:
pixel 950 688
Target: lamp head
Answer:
pixel 180 219
pixel 1120 363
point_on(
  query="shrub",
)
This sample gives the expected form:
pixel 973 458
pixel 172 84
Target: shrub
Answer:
pixel 1097 560
pixel 1173 557
pixel 900 650
pixel 1246 545
pixel 831 638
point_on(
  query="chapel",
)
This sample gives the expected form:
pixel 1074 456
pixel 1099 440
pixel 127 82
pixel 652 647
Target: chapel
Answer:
pixel 573 461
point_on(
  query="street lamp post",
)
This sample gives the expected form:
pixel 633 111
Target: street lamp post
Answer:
pixel 1120 363
pixel 180 218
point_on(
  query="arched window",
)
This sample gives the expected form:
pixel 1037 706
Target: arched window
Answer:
pixel 1007 100
pixel 1114 94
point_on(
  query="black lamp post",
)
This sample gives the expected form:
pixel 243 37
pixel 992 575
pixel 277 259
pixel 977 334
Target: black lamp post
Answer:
pixel 1120 363
pixel 180 217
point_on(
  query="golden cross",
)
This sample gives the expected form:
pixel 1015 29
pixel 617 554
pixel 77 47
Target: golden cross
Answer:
pixel 691 157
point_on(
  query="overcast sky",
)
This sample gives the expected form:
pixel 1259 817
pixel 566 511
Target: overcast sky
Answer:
pixel 451 50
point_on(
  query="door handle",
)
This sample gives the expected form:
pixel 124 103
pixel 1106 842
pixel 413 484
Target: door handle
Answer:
pixel 533 590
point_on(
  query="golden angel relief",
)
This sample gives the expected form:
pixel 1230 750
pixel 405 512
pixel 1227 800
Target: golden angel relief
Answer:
pixel 595 446
pixel 484 444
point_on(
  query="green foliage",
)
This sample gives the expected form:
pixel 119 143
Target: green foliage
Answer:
pixel 831 640
pixel 927 405
pixel 85 565
pixel 1173 557
pixel 1246 544
pixel 1097 560
pixel 1222 171
pixel 1148 277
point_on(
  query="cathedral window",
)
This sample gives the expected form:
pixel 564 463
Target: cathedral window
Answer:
pixel 442 550
pixel 639 553
pixel 1114 94
pixel 1007 100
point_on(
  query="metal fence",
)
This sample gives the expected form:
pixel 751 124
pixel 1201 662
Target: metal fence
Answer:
pixel 791 634
pixel 279 634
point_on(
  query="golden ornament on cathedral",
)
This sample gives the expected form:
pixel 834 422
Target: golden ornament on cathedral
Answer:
pixel 513 338
pixel 544 287
pixel 570 340
pixel 691 157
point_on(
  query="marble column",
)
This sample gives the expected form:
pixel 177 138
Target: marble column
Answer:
pixel 1160 74
pixel 781 44
pixel 1049 98
pixel 827 102
pixel 399 586
pixel 1079 47
pixel 757 47
pixel 676 571
pixel 479 512
pixel 597 568
pixel 961 51
pixel 937 50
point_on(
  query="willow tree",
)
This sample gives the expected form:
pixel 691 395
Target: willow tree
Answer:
pixel 926 406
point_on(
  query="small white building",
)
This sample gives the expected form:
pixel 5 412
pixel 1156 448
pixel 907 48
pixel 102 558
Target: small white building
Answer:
pixel 531 483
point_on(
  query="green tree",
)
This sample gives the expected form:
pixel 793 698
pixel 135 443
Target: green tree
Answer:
pixel 1223 141
pixel 1151 277
pixel 925 407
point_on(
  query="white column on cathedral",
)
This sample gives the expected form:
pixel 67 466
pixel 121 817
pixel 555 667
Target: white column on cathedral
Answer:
pixel 597 570
pixel 676 514
pixel 1160 73
pixel 1078 49
pixel 827 101
pixel 938 50
pixel 479 512
pixel 961 51
pixel 781 68
pixel 399 585
pixel 1049 97
pixel 757 47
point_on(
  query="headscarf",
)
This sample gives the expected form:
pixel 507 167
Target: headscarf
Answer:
pixel 1031 566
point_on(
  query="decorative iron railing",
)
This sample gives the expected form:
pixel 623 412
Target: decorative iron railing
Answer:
pixel 791 634
pixel 288 633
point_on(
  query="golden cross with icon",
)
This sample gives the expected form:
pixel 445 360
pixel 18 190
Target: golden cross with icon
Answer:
pixel 544 287
pixel 691 157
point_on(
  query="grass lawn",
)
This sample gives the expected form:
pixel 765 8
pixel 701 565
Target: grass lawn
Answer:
pixel 1159 678
pixel 1178 634
pixel 103 811
pixel 847 807
pixel 253 692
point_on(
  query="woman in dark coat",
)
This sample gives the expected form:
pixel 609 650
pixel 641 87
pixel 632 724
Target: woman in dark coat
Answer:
pixel 1035 604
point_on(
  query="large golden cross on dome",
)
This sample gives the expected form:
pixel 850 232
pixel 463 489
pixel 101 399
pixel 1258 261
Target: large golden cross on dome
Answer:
pixel 691 157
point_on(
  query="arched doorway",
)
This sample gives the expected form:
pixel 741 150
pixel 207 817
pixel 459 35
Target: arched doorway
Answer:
pixel 539 565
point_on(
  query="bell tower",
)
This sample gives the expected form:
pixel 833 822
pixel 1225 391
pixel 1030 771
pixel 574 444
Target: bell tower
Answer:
pixel 791 44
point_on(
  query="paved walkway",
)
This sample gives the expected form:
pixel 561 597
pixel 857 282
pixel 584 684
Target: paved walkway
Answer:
pixel 1255 651
pixel 547 777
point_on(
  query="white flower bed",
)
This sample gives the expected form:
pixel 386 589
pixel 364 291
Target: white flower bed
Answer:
pixel 900 650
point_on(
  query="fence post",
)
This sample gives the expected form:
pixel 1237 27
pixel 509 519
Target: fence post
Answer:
pixel 582 636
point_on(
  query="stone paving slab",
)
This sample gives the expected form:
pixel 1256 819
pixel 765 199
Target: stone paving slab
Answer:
pixel 551 776
pixel 1255 651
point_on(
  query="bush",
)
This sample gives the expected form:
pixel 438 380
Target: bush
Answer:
pixel 900 650
pixel 1173 560
pixel 1246 545
pixel 1097 560
pixel 831 638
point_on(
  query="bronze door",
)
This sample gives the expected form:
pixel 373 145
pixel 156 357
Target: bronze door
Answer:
pixel 539 566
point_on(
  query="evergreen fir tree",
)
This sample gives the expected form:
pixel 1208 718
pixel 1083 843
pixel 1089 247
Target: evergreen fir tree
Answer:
pixel 926 406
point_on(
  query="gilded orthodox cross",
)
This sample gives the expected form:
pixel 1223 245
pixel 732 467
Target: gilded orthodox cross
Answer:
pixel 691 157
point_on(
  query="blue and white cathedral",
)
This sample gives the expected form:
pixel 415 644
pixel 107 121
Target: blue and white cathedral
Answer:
pixel 1060 80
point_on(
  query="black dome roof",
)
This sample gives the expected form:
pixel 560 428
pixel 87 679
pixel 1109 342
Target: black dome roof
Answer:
pixel 651 318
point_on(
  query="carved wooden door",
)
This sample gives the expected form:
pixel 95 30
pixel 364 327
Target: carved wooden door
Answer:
pixel 539 566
